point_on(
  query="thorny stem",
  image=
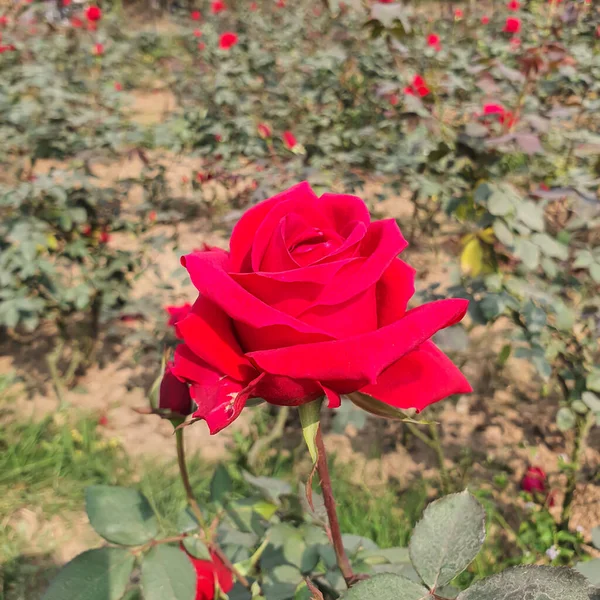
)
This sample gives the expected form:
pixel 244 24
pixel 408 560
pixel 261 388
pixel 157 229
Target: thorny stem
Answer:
pixel 583 429
pixel 185 478
pixel 334 524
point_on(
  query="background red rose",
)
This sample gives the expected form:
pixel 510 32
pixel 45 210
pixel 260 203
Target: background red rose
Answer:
pixel 310 300
pixel 207 572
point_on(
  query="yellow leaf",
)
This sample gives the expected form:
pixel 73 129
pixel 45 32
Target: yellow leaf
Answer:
pixel 487 235
pixel 471 259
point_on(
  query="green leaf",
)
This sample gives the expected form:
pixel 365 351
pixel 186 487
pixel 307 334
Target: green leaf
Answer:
pixel 168 574
pixel 531 214
pixel 596 537
pixel 503 233
pixel 565 419
pixel 590 569
pixel 100 574
pixel 535 582
pixel 499 204
pixel 120 515
pixel 592 381
pixel 196 547
pixel 550 247
pixel 447 538
pixel 270 487
pixel 221 485
pixel 387 587
pixel 528 252
pixel 310 418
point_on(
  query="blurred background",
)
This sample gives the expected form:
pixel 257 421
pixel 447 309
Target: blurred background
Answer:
pixel 132 133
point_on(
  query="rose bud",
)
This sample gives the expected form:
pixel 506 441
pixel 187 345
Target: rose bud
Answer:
pixel 174 395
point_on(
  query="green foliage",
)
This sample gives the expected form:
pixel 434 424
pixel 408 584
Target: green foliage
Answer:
pixel 101 574
pixel 167 574
pixel 120 515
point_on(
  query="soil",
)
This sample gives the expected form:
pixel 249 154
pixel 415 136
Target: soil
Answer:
pixel 506 424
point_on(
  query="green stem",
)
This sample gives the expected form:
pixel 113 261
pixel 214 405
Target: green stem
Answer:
pixel 189 492
pixel 437 447
pixel 583 428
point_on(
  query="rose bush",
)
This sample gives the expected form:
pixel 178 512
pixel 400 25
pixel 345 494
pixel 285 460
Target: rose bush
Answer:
pixel 311 300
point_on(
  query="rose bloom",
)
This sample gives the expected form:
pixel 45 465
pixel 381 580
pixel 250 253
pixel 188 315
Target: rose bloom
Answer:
pixel 515 43
pixel 207 571
pixel 118 87
pixel 228 40
pixel 280 4
pixel 196 15
pixel 201 45
pixel 418 87
pixel 197 33
pixel 433 40
pixel 264 130
pixel 253 6
pixel 513 5
pixel 3 21
pixel 93 14
pixel 310 301
pixel 289 139
pixel 458 14
pixel 217 6
pixel 485 20
pixel 504 116
pixel 512 25
pixel 534 480
pixel 99 49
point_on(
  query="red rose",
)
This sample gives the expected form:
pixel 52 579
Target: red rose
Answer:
pixel 104 237
pixel 197 33
pixel 409 91
pixel 227 40
pixel 513 5
pixel 93 14
pixel 76 22
pixel 485 20
pixel 289 139
pixel 534 480
pixel 433 40
pixel 264 130
pixel 174 394
pixel 3 21
pixel 458 14
pixel 201 45
pixel 418 87
pixel 393 98
pixel 196 15
pixel 280 4
pixel 504 116
pixel 512 25
pixel 207 571
pixel 311 300
pixel 217 6
pixel 99 49
pixel 253 6
pixel 176 313
pixel 118 87
pixel 515 43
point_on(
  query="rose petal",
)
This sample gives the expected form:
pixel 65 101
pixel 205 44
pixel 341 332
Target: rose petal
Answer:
pixel 208 275
pixel 419 379
pixel 277 256
pixel 352 363
pixel 284 391
pixel 207 332
pixel 380 246
pixel 353 317
pixel 244 233
pixel 344 209
pixel 395 288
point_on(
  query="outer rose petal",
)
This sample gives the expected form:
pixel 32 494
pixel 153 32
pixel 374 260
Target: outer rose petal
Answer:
pixel 208 275
pixel 350 364
pixel 419 379
pixel 243 234
pixel 207 332
pixel 284 391
pixel 219 398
